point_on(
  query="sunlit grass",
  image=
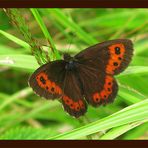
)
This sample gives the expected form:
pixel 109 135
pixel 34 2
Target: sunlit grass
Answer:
pixel 23 113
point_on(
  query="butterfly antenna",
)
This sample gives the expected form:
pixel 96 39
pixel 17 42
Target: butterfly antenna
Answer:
pixel 69 45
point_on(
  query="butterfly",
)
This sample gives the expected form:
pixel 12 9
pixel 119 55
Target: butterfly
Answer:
pixel 86 78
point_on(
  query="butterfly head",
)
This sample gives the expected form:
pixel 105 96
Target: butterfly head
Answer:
pixel 67 57
pixel 70 62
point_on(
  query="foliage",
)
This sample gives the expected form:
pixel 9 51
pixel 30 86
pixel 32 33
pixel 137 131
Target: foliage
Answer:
pixel 48 33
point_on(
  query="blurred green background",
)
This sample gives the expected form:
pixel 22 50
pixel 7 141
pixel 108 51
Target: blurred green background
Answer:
pixel 24 115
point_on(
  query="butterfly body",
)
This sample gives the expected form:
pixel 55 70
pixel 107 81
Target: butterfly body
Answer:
pixel 71 65
pixel 86 78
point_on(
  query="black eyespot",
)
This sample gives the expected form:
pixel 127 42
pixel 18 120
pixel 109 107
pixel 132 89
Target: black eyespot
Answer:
pixel 42 80
pixel 47 87
pixel 82 105
pixel 52 89
pixel 109 89
pixel 97 99
pixel 109 83
pixel 104 96
pixel 119 58
pixel 78 108
pixel 115 64
pixel 117 50
pixel 71 105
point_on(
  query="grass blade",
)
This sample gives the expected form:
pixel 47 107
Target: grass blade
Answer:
pixel 65 21
pixel 118 131
pixel 45 31
pixel 133 113
pixel 19 61
pixel 15 39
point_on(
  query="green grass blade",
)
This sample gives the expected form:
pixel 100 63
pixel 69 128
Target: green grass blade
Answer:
pixel 118 131
pixel 15 39
pixel 73 26
pixel 133 113
pixel 45 31
pixel 125 93
pixel 134 70
pixel 20 94
pixel 9 50
pixel 140 60
pixel 136 133
pixel 19 61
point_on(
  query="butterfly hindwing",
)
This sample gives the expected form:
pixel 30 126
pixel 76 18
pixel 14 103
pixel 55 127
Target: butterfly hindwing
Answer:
pixel 73 100
pixel 107 94
pixel 99 88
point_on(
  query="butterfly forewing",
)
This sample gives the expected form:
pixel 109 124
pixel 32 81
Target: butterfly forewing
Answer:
pixel 47 80
pixel 114 55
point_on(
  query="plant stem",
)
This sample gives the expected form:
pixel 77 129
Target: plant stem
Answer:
pixel 18 21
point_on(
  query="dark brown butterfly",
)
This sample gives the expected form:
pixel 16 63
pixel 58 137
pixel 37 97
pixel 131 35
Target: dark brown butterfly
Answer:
pixel 86 78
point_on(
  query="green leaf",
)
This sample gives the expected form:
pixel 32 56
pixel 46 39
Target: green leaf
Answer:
pixel 140 131
pixel 15 39
pixel 73 26
pixel 19 61
pixel 134 70
pixel 9 50
pixel 20 94
pixel 126 92
pixel 118 131
pixel 133 113
pixel 45 31
pixel 26 133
